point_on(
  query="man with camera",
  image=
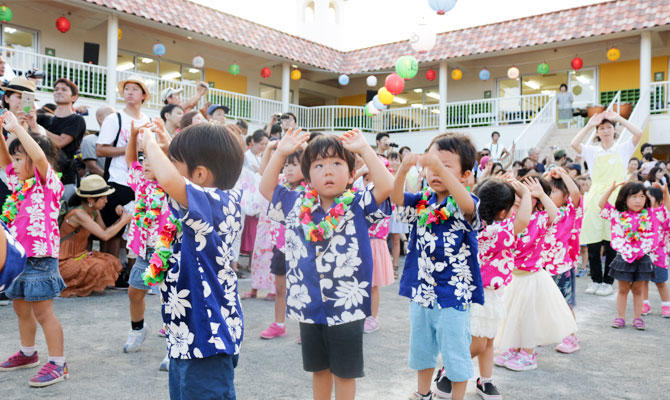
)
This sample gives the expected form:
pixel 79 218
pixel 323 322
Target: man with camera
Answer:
pixel 173 96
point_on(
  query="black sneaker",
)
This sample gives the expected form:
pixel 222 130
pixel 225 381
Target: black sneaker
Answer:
pixel 442 385
pixel 488 391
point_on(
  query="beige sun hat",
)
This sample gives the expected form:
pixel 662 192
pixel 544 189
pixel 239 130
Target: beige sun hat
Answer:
pixel 135 79
pixel 94 186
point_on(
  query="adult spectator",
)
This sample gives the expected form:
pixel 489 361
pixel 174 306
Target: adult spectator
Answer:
pixel 288 121
pixel 404 150
pixel 217 113
pixel 607 163
pixel 45 113
pixel 648 160
pixel 173 96
pixel 633 169
pixel 191 118
pixel 275 132
pixel 383 143
pixel 564 100
pixel 114 134
pixel 94 164
pixel 12 101
pixel 252 157
pixel 498 151
pixel 534 155
pixel 560 157
pixel 66 130
pixel 171 114
pixel 244 127
pixel 274 119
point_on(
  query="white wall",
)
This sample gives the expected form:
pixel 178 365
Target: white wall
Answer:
pixel 659 129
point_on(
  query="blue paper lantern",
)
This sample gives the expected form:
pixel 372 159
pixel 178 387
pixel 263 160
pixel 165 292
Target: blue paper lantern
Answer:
pixel 442 6
pixel 159 49
pixel 484 74
pixel 343 80
pixel 378 103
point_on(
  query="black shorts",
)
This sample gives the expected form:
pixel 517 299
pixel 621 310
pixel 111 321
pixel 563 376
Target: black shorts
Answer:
pixel 338 348
pixel 278 262
pixel 122 195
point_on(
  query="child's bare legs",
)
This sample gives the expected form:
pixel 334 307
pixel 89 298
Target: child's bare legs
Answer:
pixel 424 378
pixel 622 298
pixel 31 312
pixel 637 289
pixel 395 250
pixel 645 291
pixel 345 389
pixel 280 298
pixel 27 322
pixel 374 300
pixel 137 304
pixel 482 348
pixel 663 291
pixel 322 384
pixel 458 390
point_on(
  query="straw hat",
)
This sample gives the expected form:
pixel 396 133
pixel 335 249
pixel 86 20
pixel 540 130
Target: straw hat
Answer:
pixel 20 85
pixel 94 186
pixel 135 79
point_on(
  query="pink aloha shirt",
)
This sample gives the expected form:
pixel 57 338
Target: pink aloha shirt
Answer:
pixel 660 256
pixel 560 248
pixel 528 248
pixel 633 249
pixel 496 253
pixel 139 238
pixel 36 224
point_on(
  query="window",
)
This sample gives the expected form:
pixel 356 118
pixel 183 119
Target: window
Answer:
pixel 273 93
pixel 582 85
pixel 18 38
pixel 167 70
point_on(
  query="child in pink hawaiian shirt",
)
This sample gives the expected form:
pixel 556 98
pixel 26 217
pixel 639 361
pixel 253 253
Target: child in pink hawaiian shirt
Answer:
pixel 150 216
pixel 660 260
pixel 560 249
pixel 31 212
pixel 496 260
pixel 635 228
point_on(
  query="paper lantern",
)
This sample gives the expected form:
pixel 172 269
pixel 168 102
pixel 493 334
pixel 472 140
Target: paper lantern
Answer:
pixel 407 67
pixel 378 103
pixel 6 14
pixel 343 80
pixel 198 62
pixel 613 54
pixel 370 110
pixel 371 81
pixel 423 38
pixel 63 24
pixel 577 63
pixel 543 68
pixel 385 97
pixel 296 74
pixel 234 69
pixel 394 84
pixel 484 74
pixel 119 33
pixel 456 74
pixel 159 49
pixel 513 73
pixel 431 74
pixel 265 72
pixel 442 6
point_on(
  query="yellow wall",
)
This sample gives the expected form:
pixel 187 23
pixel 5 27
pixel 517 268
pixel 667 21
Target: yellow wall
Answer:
pixel 226 81
pixel 626 74
pixel 355 100
pixel 643 139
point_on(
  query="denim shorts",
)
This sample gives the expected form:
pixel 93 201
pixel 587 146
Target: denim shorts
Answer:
pixel 135 279
pixel 566 284
pixel 660 275
pixel 444 331
pixel 39 281
pixel 203 378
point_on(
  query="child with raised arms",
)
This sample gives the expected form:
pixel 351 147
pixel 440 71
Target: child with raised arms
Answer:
pixel 328 252
pixel 201 305
pixel 441 275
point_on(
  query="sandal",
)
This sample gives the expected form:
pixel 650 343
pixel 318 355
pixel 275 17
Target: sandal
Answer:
pixel 639 324
pixel 620 323
pixel 249 295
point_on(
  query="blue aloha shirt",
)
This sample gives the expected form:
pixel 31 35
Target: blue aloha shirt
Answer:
pixel 441 267
pixel 15 260
pixel 201 305
pixel 328 282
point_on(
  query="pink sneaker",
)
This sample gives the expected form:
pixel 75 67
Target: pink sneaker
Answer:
pixel 19 360
pixel 665 311
pixel 646 309
pixel 522 362
pixel 570 345
pixel 501 359
pixel 371 325
pixel 273 331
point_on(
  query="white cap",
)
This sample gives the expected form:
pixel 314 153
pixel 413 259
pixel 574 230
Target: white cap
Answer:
pixel 167 92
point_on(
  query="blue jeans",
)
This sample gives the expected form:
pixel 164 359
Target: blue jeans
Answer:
pixel 203 378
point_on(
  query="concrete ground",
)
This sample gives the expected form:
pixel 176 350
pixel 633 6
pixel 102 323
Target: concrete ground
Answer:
pixel 612 364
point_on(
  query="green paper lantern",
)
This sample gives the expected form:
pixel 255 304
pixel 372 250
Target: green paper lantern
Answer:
pixel 407 67
pixel 6 14
pixel 543 69
pixel 234 69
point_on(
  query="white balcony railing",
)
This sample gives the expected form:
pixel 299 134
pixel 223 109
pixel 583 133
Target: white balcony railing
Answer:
pixel 659 97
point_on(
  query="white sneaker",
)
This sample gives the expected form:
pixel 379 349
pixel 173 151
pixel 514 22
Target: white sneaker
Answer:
pixel 592 288
pixel 135 340
pixel 605 289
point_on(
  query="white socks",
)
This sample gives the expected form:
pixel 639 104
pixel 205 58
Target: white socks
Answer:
pixel 280 324
pixel 60 361
pixel 665 304
pixel 28 351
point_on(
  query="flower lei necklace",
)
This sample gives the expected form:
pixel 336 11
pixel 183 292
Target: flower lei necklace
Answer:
pixel 426 217
pixel 302 186
pixel 643 226
pixel 11 207
pixel 148 206
pixel 158 264
pixel 324 229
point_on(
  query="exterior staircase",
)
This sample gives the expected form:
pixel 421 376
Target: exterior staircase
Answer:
pixel 558 138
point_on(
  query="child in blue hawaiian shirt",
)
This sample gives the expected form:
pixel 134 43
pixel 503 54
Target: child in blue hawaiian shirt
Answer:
pixel 441 275
pixel 12 258
pixel 328 252
pixel 201 306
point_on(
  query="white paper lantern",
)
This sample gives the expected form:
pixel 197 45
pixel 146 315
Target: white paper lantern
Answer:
pixel 198 62
pixel 513 73
pixel 423 38
pixel 371 81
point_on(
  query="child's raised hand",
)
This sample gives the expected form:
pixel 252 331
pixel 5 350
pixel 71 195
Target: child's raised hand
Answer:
pixel 291 142
pixel 534 186
pixel 430 160
pixel 10 122
pixel 354 141
pixel 663 187
pixel 163 138
pixel 410 160
pixel 134 130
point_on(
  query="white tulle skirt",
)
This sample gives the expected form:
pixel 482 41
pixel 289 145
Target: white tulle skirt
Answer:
pixel 536 313
pixel 485 320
